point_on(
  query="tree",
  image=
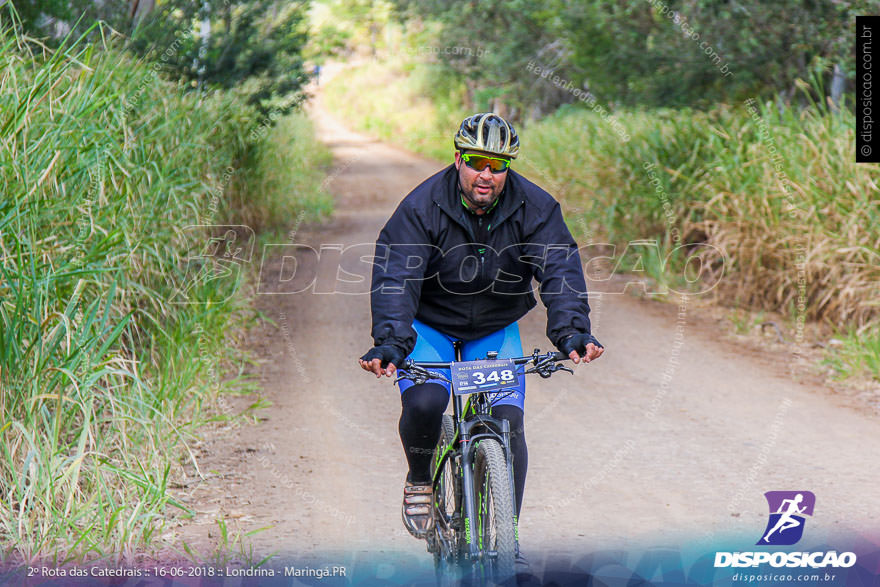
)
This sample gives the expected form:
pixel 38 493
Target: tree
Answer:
pixel 643 52
pixel 140 9
pixel 52 20
pixel 256 44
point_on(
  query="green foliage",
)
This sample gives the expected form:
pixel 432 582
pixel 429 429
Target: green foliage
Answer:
pixel 698 52
pixel 105 169
pixel 52 20
pixel 340 27
pixel 283 177
pixel 96 394
pixel 858 355
pixel 762 186
pixel 640 52
pixel 255 44
pixel 488 44
pixel 329 41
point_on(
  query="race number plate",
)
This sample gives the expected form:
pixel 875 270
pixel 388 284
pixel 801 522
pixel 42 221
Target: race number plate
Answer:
pixel 477 376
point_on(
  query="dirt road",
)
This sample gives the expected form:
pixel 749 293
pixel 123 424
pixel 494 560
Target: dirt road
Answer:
pixel 671 438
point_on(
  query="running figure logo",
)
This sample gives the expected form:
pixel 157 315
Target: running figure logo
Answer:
pixel 787 511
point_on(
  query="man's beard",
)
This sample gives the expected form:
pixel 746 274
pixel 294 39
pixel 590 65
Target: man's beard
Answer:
pixel 480 200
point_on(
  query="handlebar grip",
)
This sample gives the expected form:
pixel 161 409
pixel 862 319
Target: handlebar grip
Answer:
pixel 560 356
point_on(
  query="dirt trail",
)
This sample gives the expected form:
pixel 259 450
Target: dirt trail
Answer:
pixel 672 437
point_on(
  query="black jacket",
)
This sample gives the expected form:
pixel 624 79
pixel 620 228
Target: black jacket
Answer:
pixel 431 264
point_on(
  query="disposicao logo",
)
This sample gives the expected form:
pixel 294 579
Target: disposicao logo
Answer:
pixel 788 511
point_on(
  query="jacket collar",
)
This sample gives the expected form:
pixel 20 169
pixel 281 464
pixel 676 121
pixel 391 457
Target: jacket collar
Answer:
pixel 446 195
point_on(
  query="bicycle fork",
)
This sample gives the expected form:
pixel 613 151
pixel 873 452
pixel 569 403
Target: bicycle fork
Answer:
pixel 470 501
pixel 467 442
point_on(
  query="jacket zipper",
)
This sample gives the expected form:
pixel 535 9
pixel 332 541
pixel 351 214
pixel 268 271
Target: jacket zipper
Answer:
pixel 467 228
pixel 482 251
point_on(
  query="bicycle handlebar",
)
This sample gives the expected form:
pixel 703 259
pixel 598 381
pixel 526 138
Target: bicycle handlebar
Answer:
pixel 533 358
pixel 544 365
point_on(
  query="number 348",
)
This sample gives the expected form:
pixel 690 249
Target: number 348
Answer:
pixel 493 376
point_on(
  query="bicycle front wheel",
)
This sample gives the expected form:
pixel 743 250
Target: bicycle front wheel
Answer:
pixel 495 523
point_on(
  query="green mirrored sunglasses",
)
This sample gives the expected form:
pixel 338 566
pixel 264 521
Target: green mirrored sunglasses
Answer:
pixel 480 162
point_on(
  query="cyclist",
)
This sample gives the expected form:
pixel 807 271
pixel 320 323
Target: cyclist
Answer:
pixel 455 262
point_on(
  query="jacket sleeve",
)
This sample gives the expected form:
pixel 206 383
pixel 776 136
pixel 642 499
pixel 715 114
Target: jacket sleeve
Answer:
pixel 563 287
pixel 403 250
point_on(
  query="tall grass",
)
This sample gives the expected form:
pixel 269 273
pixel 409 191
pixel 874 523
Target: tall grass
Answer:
pixel 858 355
pixel 779 193
pixel 104 167
pixel 282 179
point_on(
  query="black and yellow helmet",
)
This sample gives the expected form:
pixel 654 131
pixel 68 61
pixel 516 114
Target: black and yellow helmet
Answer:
pixel 487 132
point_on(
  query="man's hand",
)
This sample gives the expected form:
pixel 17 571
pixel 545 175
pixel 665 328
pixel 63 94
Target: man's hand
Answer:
pixel 382 360
pixel 581 345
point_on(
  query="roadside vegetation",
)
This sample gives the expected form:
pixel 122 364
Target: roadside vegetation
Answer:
pixel 117 333
pixel 281 178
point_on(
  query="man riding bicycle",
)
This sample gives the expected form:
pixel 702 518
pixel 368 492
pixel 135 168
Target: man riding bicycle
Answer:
pixel 455 262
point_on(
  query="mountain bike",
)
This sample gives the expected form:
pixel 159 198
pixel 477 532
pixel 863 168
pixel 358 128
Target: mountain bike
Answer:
pixel 475 527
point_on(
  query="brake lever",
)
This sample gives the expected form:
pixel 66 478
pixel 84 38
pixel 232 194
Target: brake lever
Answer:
pixel 437 375
pixel 414 373
pixel 547 366
pixel 418 375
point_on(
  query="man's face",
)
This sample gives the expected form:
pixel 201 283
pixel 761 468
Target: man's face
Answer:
pixel 480 188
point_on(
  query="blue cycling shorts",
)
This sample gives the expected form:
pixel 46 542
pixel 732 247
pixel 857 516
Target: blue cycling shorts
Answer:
pixel 434 346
